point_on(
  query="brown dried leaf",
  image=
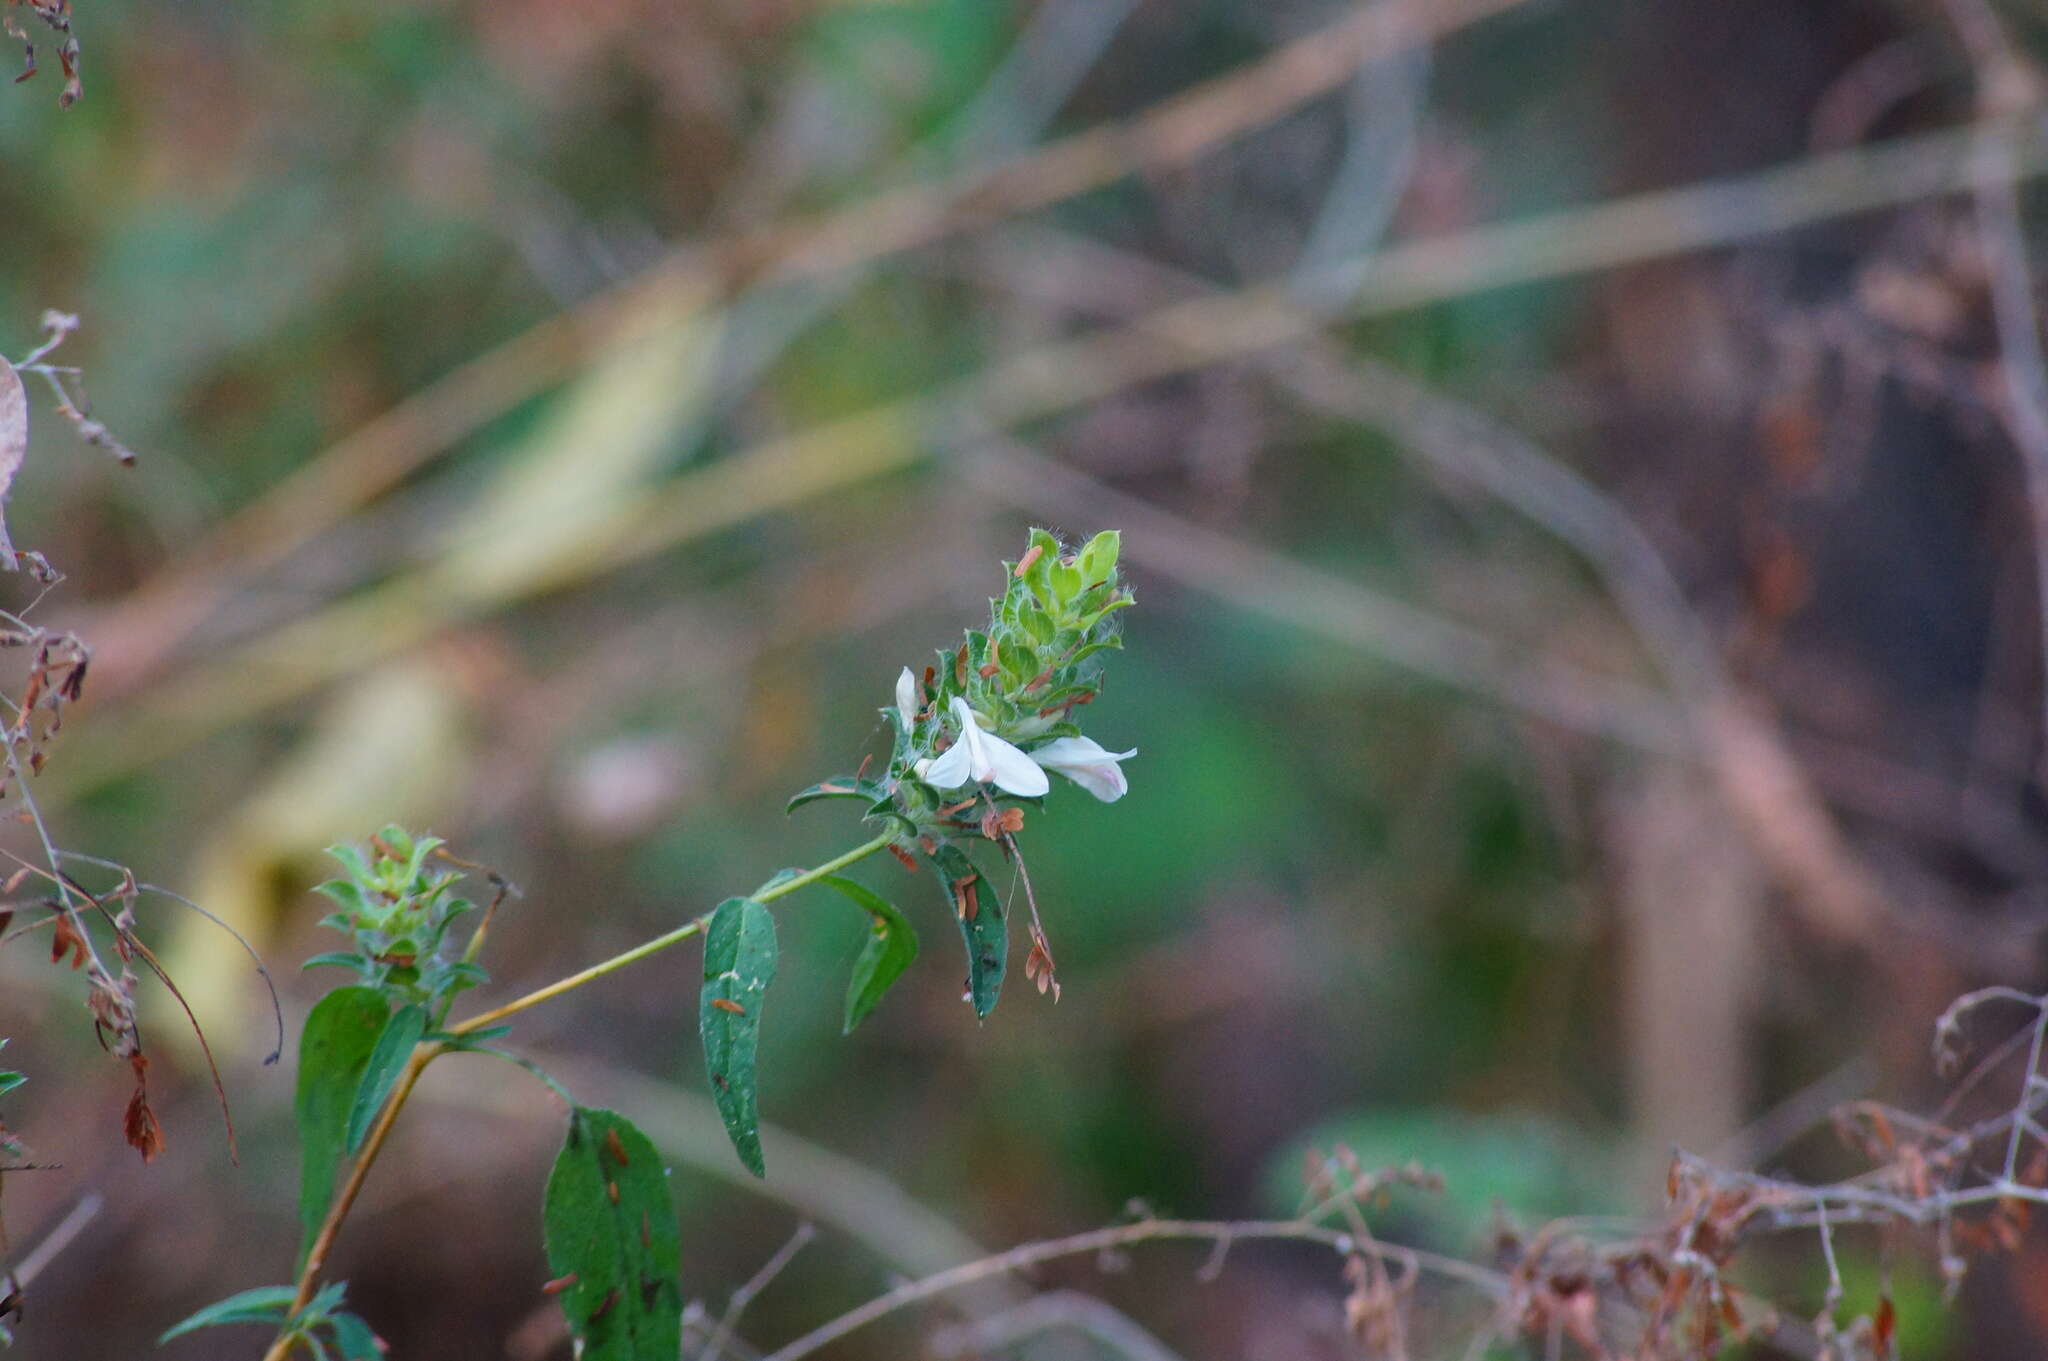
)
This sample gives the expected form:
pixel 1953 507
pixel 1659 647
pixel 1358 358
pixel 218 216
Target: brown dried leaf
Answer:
pixel 997 822
pixel 140 1126
pixel 67 940
pixel 1038 966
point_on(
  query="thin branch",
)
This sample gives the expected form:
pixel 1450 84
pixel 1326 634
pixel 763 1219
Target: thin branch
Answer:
pixel 1057 1311
pixel 1478 1278
pixel 262 969
pixel 58 1238
pixel 662 942
pixel 722 1335
pixel 345 1199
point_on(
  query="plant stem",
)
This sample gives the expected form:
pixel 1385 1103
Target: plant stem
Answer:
pixel 337 1211
pixel 663 942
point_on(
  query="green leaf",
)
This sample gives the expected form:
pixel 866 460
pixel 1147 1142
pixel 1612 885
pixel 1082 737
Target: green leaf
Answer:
pixel 1037 623
pixel 1087 650
pixel 1066 585
pixel 610 1232
pixel 890 948
pixel 333 1052
pixel 394 1046
pixel 985 931
pixel 521 1061
pixel 739 963
pixel 1098 559
pixel 9 1081
pixel 839 787
pixel 354 1337
pixel 780 877
pixel 266 1304
pixel 340 959
pixel 1020 663
pixel 347 894
pixel 351 860
pixel 468 1039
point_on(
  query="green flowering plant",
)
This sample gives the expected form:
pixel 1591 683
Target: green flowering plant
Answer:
pixel 975 740
pixel 977 732
pixel 397 910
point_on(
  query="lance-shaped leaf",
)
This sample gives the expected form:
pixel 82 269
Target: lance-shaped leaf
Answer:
pixel 890 948
pixel 982 926
pixel 387 1059
pixel 334 1052
pixel 267 1304
pixel 612 1244
pixel 739 963
pixel 838 787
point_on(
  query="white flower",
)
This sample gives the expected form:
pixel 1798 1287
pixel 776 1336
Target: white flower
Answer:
pixel 1084 761
pixel 979 755
pixel 906 698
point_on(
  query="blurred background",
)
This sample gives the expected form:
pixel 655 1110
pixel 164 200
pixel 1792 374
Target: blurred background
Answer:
pixel 1583 465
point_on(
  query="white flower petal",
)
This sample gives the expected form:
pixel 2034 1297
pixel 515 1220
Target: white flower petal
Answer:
pixel 950 770
pixel 1088 764
pixel 1011 769
pixel 906 697
pixel 979 755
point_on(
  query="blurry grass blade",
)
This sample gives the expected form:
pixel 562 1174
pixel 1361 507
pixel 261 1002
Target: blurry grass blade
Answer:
pixel 394 1046
pixel 611 1238
pixel 391 747
pixel 739 963
pixel 593 456
pixel 334 1051
pixel 983 926
pixel 13 448
pixel 891 947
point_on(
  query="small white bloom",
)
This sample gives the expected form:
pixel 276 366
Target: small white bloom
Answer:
pixel 979 755
pixel 1084 761
pixel 906 697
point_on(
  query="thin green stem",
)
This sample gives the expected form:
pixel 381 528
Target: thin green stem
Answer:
pixel 338 1209
pixel 766 894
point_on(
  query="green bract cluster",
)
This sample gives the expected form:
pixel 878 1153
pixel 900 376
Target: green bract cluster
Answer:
pixel 1018 682
pixel 981 730
pixel 398 911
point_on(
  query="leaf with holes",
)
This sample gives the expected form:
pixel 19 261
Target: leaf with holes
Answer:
pixel 891 947
pixel 610 1234
pixel 739 963
pixel 334 1052
pixel 983 926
